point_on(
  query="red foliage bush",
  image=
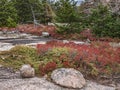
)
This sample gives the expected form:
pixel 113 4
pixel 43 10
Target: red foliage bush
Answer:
pixel 50 66
pixel 66 64
pixel 101 54
pixel 36 30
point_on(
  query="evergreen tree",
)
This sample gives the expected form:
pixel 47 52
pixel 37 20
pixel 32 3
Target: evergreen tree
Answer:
pixel 48 13
pixel 66 11
pixel 8 14
pixel 33 11
pixel 104 23
pixel 24 9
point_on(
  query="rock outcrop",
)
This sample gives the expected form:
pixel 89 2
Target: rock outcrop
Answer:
pixel 8 73
pixel 11 82
pixel 42 84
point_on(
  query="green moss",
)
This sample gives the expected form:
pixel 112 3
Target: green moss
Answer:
pixel 54 55
pixel 18 56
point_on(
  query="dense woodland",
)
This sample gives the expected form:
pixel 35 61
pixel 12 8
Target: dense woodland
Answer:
pixel 102 18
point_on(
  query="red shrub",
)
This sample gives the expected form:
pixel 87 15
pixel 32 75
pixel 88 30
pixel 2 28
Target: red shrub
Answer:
pixel 100 53
pixel 50 66
pixel 66 64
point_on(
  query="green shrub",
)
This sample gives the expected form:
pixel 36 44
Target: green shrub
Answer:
pixel 54 58
pixel 8 14
pixel 103 22
pixel 18 56
pixel 59 57
pixel 66 14
pixel 11 22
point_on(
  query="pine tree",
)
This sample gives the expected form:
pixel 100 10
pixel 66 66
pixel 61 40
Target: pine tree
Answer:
pixel 104 23
pixel 48 13
pixel 33 10
pixel 23 8
pixel 66 11
pixel 8 14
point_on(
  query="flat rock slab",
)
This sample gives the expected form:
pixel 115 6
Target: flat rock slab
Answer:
pixel 43 84
pixel 68 77
pixel 12 34
pixel 15 34
pixel 95 86
pixel 8 73
pixel 25 41
pixel 29 84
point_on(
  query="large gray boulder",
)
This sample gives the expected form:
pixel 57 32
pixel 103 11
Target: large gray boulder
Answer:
pixel 27 71
pixel 68 77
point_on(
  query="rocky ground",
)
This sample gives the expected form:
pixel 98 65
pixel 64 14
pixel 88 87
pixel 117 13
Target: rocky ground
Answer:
pixel 11 80
pixel 11 39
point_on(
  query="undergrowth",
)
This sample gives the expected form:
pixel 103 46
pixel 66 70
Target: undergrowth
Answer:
pixel 18 56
